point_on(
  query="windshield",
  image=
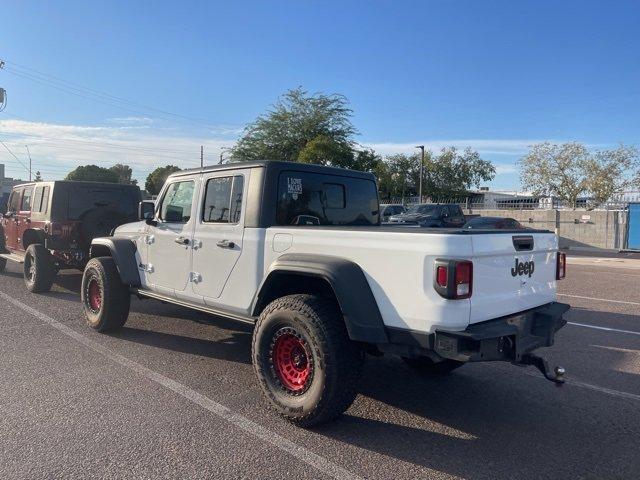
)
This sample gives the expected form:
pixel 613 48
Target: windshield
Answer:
pixel 423 209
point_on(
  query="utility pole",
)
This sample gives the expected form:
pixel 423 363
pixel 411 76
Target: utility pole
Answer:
pixel 421 147
pixel 201 156
pixel 222 154
pixel 29 154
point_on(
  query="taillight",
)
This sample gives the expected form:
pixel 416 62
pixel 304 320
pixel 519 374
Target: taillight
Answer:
pixel 453 278
pixel 464 279
pixel 441 275
pixel 561 266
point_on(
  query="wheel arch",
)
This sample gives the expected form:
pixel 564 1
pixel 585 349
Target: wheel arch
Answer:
pixel 31 236
pixel 123 252
pixel 325 275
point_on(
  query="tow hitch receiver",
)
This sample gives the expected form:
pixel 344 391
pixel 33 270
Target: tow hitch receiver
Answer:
pixel 556 376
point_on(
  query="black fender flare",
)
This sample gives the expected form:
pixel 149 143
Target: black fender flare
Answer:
pixel 123 252
pixel 349 284
pixel 33 235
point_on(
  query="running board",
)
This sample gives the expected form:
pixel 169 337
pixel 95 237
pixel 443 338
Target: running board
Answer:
pixel 201 308
pixel 12 257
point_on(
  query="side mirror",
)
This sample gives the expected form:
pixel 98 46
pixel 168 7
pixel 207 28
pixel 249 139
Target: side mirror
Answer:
pixel 146 210
pixel 8 215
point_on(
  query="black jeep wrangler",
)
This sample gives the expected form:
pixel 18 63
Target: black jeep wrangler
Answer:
pixel 48 226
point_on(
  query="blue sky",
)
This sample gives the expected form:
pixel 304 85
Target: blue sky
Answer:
pixel 495 75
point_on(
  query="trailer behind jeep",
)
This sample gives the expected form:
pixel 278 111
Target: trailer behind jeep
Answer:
pixel 298 250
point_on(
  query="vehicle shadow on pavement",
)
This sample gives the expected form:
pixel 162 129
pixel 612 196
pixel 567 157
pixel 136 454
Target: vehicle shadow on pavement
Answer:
pixel 476 426
pixel 236 348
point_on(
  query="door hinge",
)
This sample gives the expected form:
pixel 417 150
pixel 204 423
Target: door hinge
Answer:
pixel 146 268
pixel 195 277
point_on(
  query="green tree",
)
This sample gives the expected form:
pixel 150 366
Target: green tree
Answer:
pixel 124 173
pixel 92 173
pixel 398 176
pixel 156 179
pixel 451 173
pixel 295 120
pixel 323 150
pixel 367 160
pixel 611 172
pixel 569 170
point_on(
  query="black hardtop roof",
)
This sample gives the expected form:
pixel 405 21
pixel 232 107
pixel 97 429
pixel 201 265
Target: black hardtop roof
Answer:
pixel 277 165
pixel 77 183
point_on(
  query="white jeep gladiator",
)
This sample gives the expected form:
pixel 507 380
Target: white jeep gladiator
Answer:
pixel 298 250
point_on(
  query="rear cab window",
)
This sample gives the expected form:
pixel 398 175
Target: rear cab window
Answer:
pixel 306 198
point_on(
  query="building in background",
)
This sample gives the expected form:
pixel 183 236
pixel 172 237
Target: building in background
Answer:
pixel 6 184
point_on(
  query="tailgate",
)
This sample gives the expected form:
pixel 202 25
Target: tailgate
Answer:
pixel 511 273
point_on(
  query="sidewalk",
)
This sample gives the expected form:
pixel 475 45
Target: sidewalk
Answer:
pixel 609 262
pixel 601 254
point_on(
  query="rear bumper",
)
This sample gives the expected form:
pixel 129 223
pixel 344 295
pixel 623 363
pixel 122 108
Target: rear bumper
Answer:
pixel 506 338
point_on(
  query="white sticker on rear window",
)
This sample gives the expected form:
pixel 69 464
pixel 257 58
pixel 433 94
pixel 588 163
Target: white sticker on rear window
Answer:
pixel 294 187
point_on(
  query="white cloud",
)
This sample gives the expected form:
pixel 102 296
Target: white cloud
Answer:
pixel 57 148
pixel 132 121
pixel 506 169
pixel 483 146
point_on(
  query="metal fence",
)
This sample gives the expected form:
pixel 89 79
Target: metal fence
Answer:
pixel 523 203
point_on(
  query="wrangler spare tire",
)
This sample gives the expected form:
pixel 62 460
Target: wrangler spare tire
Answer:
pixel 100 222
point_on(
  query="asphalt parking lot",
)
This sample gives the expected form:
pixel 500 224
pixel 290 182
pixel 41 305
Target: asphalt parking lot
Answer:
pixel 173 396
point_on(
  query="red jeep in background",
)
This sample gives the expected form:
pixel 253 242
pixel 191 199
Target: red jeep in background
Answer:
pixel 48 226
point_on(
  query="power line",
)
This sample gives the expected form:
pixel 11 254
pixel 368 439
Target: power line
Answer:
pixel 93 94
pixel 89 142
pixel 13 155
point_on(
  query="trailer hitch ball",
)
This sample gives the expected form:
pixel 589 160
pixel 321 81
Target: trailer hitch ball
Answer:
pixel 541 364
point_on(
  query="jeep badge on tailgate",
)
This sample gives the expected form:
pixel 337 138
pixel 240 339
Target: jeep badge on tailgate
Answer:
pixel 523 268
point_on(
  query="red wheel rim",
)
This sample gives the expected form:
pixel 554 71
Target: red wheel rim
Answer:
pixel 292 361
pixel 95 295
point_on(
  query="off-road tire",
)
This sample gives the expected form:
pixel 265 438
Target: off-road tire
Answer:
pixel 426 366
pixel 105 299
pixel 336 361
pixel 39 269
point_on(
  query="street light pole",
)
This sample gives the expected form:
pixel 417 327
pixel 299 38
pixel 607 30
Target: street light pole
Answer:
pixel 29 154
pixel 421 147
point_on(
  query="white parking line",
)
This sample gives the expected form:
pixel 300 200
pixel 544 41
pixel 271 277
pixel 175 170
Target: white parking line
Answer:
pixel 608 391
pixel 599 299
pixel 312 459
pixel 603 328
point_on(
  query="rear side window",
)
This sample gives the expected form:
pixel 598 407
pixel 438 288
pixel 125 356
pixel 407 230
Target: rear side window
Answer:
pixel 316 199
pixel 41 199
pixel 25 206
pixel 223 200
pixel 177 201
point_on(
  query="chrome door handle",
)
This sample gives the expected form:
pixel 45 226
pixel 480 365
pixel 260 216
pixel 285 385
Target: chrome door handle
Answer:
pixel 182 241
pixel 226 244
